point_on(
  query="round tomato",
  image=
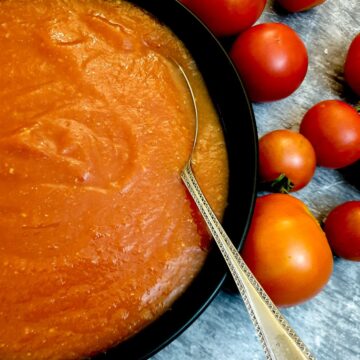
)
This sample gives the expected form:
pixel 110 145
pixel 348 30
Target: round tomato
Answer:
pixel 271 59
pixel 333 128
pixel 226 17
pixel 342 228
pixel 299 5
pixel 352 65
pixel 286 160
pixel 287 250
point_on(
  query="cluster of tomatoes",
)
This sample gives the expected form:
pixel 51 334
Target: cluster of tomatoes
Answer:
pixel 286 248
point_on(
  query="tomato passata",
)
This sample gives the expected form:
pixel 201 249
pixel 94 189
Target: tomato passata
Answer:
pixel 342 228
pixel 333 128
pixel 287 250
pixel 352 65
pixel 271 59
pixel 226 17
pixel 286 160
pixel 299 5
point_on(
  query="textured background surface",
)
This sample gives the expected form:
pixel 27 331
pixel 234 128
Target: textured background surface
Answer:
pixel 330 323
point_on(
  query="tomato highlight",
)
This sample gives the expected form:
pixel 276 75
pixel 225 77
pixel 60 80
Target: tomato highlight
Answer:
pixel 272 61
pixel 287 250
pixel 286 160
pixel 333 128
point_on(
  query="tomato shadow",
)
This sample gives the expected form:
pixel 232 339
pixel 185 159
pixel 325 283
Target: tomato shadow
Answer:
pixel 227 42
pixel 349 95
pixel 340 87
pixel 352 174
pixel 279 10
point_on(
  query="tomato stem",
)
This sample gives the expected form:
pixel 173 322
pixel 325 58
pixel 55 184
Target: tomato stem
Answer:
pixel 282 184
pixel 357 107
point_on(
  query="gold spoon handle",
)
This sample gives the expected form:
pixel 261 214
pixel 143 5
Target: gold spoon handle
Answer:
pixel 278 339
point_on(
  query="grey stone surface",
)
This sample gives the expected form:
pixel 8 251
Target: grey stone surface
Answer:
pixel 330 323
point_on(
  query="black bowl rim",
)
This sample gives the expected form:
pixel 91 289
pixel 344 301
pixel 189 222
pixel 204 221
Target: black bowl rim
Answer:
pixel 193 302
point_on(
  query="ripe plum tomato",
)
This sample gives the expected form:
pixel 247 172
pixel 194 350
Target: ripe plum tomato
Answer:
pixel 342 228
pixel 271 59
pixel 299 5
pixel 352 65
pixel 287 250
pixel 333 128
pixel 226 17
pixel 286 160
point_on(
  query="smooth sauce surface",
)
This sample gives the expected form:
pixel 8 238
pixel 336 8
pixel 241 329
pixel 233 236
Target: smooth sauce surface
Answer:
pixel 97 236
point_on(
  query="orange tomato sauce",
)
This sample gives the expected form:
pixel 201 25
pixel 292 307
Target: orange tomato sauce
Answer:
pixel 97 236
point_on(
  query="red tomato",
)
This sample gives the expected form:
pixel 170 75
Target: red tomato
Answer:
pixel 342 228
pixel 226 17
pixel 299 5
pixel 352 65
pixel 333 128
pixel 271 59
pixel 287 250
pixel 286 159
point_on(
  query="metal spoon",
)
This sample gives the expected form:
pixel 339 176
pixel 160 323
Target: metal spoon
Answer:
pixel 278 339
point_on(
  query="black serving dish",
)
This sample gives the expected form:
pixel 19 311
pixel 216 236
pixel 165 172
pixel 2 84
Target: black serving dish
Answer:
pixel 236 115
